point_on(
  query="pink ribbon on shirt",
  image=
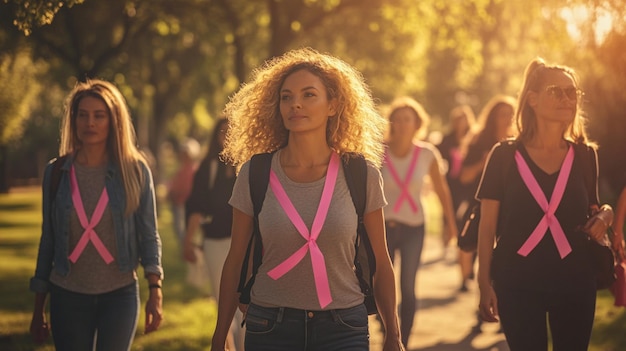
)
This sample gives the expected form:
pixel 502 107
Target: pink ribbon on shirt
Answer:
pixel 403 185
pixel 89 234
pixel 456 159
pixel 549 220
pixel 317 258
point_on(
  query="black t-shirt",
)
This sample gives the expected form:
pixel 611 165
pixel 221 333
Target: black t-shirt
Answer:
pixel 543 269
pixel 209 196
pixel 459 192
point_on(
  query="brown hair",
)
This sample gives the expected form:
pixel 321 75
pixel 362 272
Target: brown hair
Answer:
pixel 525 118
pixel 121 143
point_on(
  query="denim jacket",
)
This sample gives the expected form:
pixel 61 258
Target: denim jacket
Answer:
pixel 137 238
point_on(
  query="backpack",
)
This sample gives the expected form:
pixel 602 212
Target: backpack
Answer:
pixel 355 170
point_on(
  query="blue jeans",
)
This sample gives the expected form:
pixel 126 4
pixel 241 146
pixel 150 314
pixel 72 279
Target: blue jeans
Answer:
pixel 288 329
pixel 409 241
pixel 104 322
pixel 178 221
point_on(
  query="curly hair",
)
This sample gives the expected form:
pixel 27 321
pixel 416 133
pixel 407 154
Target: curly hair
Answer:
pixel 525 118
pixel 256 126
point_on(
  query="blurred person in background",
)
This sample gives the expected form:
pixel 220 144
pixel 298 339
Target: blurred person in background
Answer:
pixel 495 123
pixel 408 161
pixel 179 186
pixel 207 209
pixel 462 122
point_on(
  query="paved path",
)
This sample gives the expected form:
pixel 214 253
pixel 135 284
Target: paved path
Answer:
pixel 444 316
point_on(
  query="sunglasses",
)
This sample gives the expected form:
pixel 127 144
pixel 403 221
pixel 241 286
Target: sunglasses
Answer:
pixel 558 93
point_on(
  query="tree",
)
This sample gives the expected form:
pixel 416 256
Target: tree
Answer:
pixel 18 89
pixel 31 14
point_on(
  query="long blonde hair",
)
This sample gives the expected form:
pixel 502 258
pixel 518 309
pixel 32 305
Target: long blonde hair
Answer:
pixel 525 118
pixel 121 143
pixel 255 123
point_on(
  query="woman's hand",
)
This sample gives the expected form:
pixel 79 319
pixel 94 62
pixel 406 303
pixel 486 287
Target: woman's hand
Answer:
pixel 189 252
pixel 392 344
pixel 154 310
pixel 599 223
pixel 39 328
pixel 488 307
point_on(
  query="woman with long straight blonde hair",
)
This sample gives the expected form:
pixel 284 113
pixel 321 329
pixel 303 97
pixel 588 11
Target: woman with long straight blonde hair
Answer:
pixel 99 223
pixel 540 217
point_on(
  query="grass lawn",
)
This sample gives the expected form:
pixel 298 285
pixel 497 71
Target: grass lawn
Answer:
pixel 189 315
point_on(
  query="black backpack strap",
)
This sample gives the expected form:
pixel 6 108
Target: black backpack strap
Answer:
pixel 355 170
pixel 589 164
pixel 510 146
pixel 258 179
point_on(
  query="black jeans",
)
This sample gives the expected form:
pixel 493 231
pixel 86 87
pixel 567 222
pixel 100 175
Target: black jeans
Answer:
pixel 525 315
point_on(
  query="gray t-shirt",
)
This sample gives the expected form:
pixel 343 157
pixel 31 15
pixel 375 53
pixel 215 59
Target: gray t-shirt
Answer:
pixel 296 289
pixel 90 274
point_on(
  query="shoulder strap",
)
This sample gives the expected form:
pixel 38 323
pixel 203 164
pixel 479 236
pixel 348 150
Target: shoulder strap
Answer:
pixel 589 164
pixel 258 180
pixel 355 170
pixel 509 146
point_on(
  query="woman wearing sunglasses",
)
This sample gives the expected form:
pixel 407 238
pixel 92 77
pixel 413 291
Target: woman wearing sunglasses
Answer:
pixel 539 275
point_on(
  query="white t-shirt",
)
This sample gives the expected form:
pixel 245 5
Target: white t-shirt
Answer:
pixel 427 154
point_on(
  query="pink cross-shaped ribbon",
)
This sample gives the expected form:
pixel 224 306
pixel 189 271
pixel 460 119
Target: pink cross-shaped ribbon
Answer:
pixel 403 184
pixel 317 258
pixel 89 234
pixel 549 220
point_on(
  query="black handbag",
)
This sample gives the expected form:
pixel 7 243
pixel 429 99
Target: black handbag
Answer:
pixel 603 261
pixel 468 237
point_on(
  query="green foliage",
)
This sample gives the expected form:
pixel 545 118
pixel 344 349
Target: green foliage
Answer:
pixel 190 316
pixel 18 90
pixel 30 14
pixel 177 61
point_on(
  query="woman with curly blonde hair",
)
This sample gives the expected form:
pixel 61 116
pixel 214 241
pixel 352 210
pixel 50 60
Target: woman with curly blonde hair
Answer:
pixel 255 121
pixel 309 110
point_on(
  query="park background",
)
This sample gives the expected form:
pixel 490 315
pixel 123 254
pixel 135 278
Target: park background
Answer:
pixel 178 61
